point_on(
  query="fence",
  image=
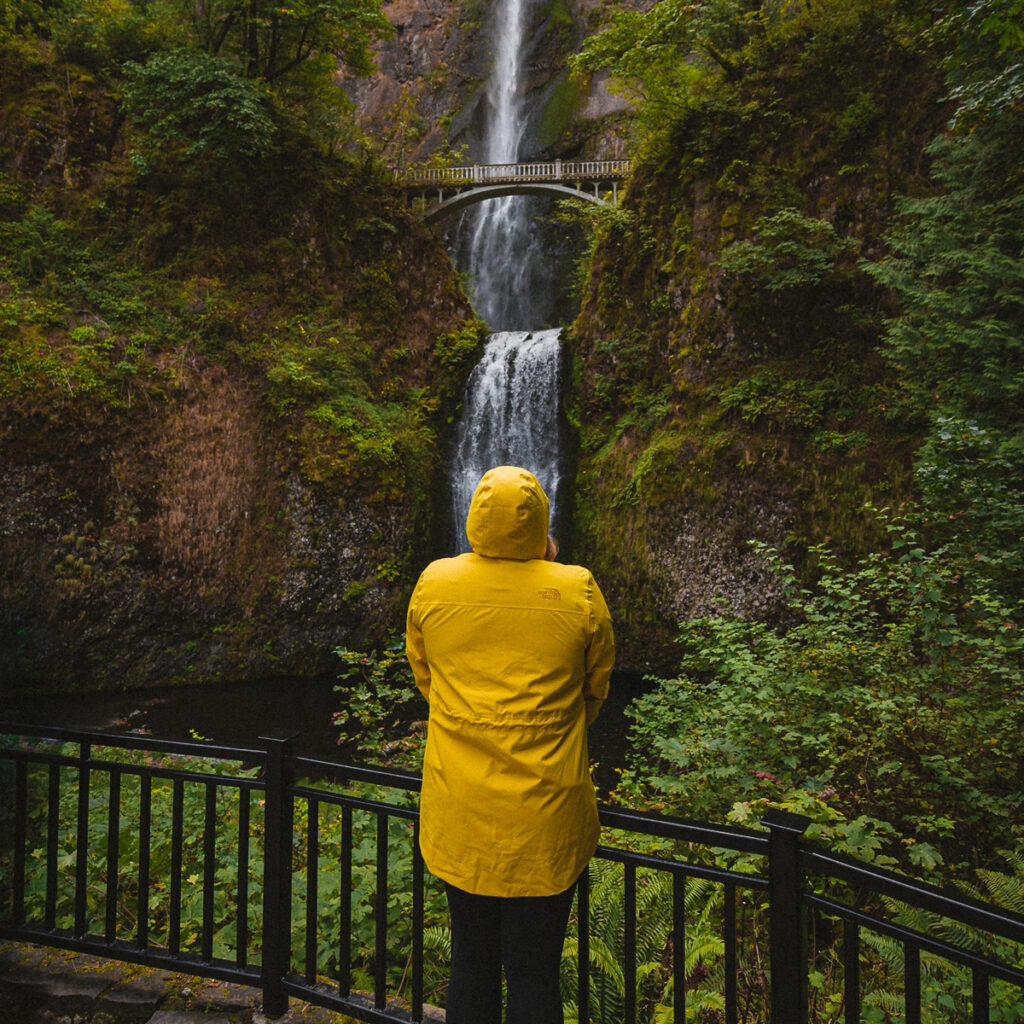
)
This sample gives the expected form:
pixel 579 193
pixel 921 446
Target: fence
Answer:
pixel 303 877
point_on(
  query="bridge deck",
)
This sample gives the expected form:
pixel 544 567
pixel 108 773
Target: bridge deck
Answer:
pixel 501 174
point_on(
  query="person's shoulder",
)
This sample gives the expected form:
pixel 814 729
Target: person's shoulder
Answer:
pixel 446 568
pixel 578 575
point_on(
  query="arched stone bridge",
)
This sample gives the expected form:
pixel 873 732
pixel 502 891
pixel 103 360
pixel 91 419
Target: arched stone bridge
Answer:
pixel 439 191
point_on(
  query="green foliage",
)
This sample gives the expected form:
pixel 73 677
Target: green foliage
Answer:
pixel 346 429
pixel 661 54
pixel 270 41
pixel 789 251
pixel 790 402
pixel 383 715
pixel 703 967
pixel 946 988
pixel 198 105
pixel 894 691
pixel 460 349
pixel 556 117
pixel 954 265
pixel 193 820
pixel 100 33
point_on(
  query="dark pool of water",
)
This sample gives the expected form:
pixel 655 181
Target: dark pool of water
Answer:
pixel 237 714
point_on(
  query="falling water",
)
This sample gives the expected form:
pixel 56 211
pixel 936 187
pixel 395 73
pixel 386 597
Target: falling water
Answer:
pixel 500 234
pixel 511 408
pixel 513 418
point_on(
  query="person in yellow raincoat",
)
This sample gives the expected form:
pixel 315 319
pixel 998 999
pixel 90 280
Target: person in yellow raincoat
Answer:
pixel 513 651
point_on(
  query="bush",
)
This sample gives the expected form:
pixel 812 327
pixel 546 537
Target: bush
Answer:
pixel 895 694
pixel 193 105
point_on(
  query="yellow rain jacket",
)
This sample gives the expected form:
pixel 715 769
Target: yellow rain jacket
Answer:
pixel 513 653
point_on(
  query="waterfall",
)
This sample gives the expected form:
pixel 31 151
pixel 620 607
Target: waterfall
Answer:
pixel 499 234
pixel 511 416
pixel 512 403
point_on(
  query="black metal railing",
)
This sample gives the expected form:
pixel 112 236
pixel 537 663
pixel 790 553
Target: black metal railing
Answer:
pixel 303 877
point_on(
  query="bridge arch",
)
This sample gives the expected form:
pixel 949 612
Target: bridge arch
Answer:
pixel 454 188
pixel 481 193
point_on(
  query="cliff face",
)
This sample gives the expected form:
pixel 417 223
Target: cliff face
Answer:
pixel 222 403
pixel 429 93
pixel 729 379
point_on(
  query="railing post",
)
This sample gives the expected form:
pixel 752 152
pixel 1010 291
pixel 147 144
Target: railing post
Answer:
pixel 786 919
pixel 277 871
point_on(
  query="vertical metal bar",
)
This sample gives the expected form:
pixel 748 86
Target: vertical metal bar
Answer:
pixel 82 841
pixel 113 843
pixel 345 904
pixel 417 925
pixel 979 999
pixel 145 837
pixel 786 925
pixel 20 839
pixel 242 920
pixel 629 939
pixel 277 872
pixel 912 983
pixel 312 884
pixel 851 962
pixel 209 868
pixel 731 956
pixel 583 946
pixel 52 840
pixel 679 947
pixel 380 915
pixel 177 839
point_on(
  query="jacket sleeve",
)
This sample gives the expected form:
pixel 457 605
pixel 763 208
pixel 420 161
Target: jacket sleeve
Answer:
pixel 415 648
pixel 600 655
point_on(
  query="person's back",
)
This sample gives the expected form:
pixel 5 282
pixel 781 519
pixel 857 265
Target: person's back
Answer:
pixel 513 653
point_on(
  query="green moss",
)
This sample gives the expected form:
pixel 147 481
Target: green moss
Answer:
pixel 556 117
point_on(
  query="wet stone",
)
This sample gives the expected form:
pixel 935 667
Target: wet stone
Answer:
pixel 76 992
pixel 186 1017
pixel 135 997
pixel 221 995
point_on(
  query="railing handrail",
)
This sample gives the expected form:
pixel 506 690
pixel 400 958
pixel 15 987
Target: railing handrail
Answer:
pixel 547 170
pixel 789 861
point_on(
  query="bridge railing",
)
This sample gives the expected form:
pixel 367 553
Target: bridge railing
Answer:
pixel 304 878
pixel 483 174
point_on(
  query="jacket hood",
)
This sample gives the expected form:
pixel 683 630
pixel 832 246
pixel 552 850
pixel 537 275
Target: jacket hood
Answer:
pixel 508 516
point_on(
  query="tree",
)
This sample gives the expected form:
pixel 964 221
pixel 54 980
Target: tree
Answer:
pixel 956 265
pixel 271 40
pixel 198 104
pixel 657 55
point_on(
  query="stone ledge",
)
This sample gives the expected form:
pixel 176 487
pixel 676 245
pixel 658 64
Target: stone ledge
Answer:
pixel 51 986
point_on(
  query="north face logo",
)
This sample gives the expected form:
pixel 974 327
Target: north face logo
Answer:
pixel 550 594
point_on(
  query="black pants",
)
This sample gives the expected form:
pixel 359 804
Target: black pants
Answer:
pixel 522 933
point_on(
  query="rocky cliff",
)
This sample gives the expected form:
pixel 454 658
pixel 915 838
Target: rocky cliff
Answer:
pixel 429 94
pixel 221 403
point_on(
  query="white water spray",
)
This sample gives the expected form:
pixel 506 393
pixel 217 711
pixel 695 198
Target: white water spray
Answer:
pixel 511 417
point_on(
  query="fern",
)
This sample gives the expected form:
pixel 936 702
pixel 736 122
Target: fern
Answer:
pixel 703 957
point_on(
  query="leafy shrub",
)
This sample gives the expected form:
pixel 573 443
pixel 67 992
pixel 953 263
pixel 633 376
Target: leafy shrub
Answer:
pixel 894 693
pixel 379 707
pixel 97 33
pixel 791 251
pixel 196 105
